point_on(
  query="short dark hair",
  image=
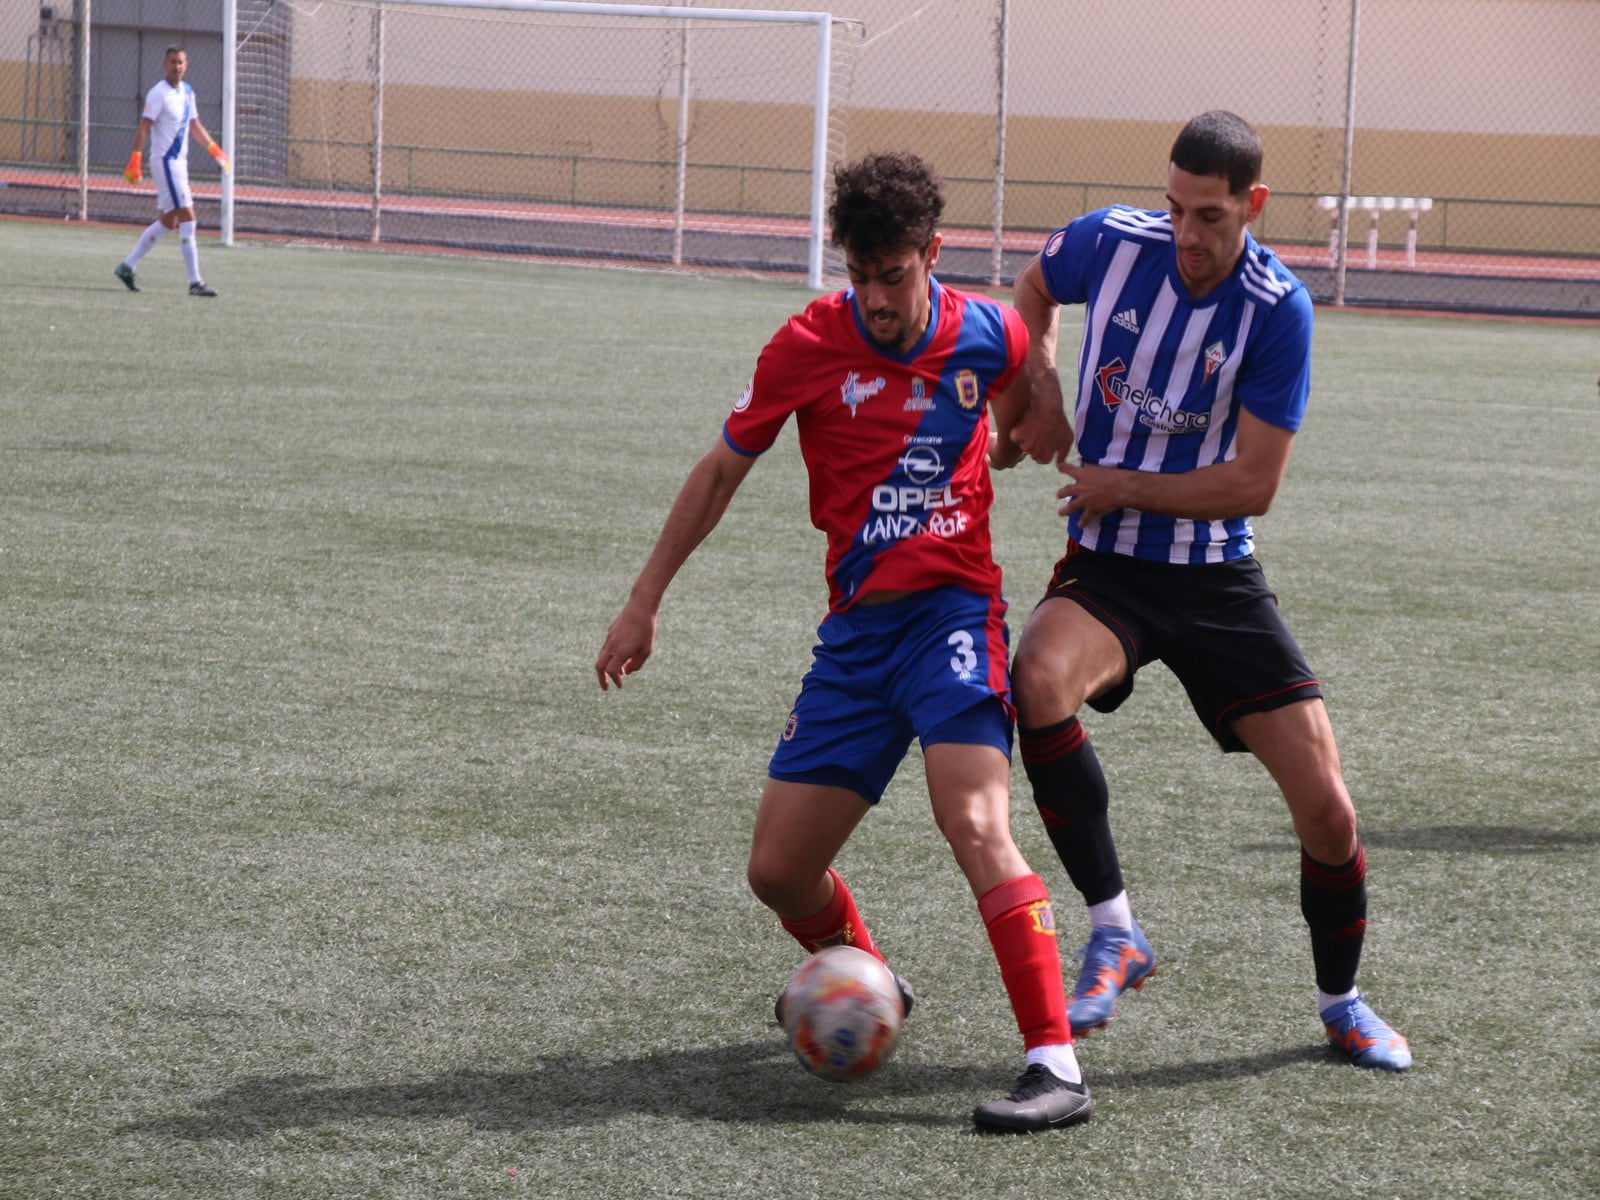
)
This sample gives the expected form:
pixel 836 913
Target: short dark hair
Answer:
pixel 885 202
pixel 174 46
pixel 1220 143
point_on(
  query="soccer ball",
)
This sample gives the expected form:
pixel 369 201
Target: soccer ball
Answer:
pixel 842 1014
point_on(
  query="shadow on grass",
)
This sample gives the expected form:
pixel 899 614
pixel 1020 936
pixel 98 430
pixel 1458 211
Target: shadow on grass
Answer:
pixel 1216 1070
pixel 1481 839
pixel 1469 839
pixel 748 1083
pixel 752 1082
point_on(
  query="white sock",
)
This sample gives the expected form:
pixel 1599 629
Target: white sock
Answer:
pixel 152 234
pixel 1060 1060
pixel 1115 912
pixel 191 252
pixel 1326 1000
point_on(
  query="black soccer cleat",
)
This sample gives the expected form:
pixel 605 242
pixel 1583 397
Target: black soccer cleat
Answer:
pixel 125 273
pixel 200 289
pixel 908 998
pixel 1041 1100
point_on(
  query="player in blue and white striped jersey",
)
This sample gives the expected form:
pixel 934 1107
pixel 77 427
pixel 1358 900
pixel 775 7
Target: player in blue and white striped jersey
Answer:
pixel 1192 382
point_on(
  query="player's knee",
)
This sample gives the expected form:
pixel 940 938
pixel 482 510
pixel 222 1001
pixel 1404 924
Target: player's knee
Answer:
pixel 1040 686
pixel 976 821
pixel 777 883
pixel 1327 826
pixel 977 833
pixel 761 881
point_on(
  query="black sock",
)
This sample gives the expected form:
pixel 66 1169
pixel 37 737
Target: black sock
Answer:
pixel 1334 902
pixel 1069 789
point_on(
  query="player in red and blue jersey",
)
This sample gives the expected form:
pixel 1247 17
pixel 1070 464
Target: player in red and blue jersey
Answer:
pixel 895 440
pixel 1192 382
pixel 889 383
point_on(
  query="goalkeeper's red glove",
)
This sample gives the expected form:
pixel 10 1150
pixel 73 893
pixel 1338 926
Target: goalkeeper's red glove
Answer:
pixel 216 153
pixel 134 171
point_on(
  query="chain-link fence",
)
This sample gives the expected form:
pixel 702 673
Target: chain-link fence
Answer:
pixel 1426 153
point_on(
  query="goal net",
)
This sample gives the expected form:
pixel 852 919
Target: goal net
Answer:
pixel 656 133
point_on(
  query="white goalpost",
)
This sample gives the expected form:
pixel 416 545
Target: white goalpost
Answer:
pixel 365 129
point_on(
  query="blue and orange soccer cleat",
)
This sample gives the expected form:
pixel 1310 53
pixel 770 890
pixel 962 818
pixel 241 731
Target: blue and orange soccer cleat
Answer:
pixel 1365 1037
pixel 1114 960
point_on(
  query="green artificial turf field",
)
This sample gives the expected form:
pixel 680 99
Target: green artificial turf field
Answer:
pixel 326 870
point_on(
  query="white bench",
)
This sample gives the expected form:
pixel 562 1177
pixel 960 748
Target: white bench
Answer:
pixel 1375 206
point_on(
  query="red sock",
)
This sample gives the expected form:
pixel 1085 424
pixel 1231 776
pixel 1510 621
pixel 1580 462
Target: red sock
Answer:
pixel 838 924
pixel 1022 930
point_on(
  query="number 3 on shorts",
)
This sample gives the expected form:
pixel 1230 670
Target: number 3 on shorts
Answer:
pixel 963 660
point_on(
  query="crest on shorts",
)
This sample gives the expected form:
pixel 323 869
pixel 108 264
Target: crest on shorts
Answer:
pixel 790 726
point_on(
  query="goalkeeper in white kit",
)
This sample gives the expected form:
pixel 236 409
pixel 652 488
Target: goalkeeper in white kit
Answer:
pixel 166 123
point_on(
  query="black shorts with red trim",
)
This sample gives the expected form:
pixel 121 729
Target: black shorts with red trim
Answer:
pixel 1215 625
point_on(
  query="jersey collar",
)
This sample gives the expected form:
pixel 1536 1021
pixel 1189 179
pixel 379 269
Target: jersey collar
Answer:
pixel 935 298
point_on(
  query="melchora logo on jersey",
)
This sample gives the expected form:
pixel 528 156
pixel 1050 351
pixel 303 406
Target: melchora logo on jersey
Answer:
pixel 1152 409
pixel 915 504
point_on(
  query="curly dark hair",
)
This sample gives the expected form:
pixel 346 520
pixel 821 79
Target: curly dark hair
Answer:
pixel 885 202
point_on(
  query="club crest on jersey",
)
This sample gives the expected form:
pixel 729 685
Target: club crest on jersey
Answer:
pixel 920 400
pixel 854 393
pixel 967 390
pixel 1216 355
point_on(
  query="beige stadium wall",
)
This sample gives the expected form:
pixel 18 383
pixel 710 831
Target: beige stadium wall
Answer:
pixel 12 77
pixel 1496 122
pixel 751 158
pixel 18 20
pixel 1480 124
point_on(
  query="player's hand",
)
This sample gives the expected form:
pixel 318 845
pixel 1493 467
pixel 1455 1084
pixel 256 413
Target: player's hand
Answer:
pixel 1043 432
pixel 222 159
pixel 134 171
pixel 1093 492
pixel 1004 453
pixel 628 643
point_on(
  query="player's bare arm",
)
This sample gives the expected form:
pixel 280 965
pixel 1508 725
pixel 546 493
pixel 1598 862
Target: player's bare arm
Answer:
pixel 698 508
pixel 1243 486
pixel 1004 410
pixel 1041 429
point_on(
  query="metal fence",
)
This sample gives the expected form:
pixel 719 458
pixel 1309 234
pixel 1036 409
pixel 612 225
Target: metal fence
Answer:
pixel 1425 153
